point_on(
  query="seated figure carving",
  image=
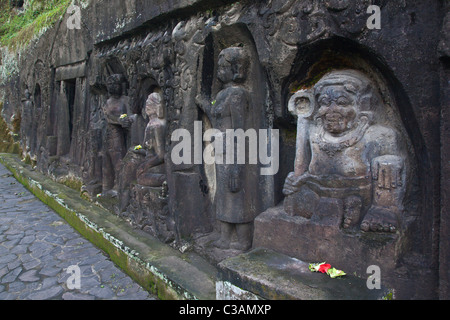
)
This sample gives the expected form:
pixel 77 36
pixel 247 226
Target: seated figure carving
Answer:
pixel 144 164
pixel 350 167
pixel 151 172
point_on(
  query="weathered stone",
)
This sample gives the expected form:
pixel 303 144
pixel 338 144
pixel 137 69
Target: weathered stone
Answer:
pixel 27 240
pixel 76 296
pixel 314 241
pixel 12 275
pixel 24 277
pixel 229 110
pixel 271 275
pixel 46 294
pixel 116 113
pixel 102 292
pixel 7 258
pixel 49 271
pixel 29 276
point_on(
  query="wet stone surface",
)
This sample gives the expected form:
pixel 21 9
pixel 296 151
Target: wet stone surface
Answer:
pixel 37 247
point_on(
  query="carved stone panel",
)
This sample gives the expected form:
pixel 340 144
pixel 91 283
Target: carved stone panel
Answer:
pixel 346 197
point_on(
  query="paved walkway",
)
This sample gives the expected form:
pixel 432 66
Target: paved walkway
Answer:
pixel 37 247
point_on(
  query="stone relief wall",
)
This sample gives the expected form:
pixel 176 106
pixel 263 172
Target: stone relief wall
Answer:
pixel 357 163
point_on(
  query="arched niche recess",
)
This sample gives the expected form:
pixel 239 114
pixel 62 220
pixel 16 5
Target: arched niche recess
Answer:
pixel 320 57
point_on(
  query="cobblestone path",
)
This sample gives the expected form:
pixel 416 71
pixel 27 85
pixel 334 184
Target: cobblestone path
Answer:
pixel 37 247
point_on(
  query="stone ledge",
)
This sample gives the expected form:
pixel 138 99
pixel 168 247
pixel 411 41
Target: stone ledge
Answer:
pixel 266 274
pixel 114 20
pixel 158 268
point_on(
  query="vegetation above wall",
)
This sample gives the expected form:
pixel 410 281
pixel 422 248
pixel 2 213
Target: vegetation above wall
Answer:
pixel 19 25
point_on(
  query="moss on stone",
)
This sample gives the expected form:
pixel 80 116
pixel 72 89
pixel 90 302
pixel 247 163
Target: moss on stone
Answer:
pixel 7 142
pixel 71 182
pixel 68 204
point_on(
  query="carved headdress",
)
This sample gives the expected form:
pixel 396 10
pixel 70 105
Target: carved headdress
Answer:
pixel 354 82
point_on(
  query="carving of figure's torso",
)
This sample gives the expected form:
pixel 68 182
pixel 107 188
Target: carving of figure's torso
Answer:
pixel 348 151
pixel 227 112
pixel 114 108
pixel 154 136
pixel 351 155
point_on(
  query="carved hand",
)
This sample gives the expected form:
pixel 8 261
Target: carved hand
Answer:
pixel 139 151
pixel 126 122
pixel 199 101
pixel 387 171
pixel 291 185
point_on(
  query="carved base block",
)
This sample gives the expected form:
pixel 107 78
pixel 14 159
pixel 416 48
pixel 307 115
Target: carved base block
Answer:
pixel 149 212
pixel 189 204
pixel 325 211
pixel 91 190
pixel 318 240
pixel 52 143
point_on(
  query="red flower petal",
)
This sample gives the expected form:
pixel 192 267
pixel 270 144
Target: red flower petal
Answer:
pixel 324 267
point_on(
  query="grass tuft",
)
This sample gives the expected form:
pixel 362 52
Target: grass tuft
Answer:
pixel 19 26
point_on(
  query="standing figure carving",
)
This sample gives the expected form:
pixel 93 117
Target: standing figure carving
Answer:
pixel 229 111
pixel 350 166
pixel 118 123
pixel 26 123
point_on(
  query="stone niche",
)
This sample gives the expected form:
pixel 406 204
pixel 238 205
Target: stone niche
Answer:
pixel 179 61
pixel 351 198
pixel 234 103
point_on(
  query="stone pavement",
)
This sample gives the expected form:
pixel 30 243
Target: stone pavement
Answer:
pixel 37 247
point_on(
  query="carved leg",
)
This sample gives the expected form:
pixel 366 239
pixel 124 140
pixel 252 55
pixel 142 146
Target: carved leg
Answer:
pixel 107 174
pixel 352 211
pixel 379 219
pixel 245 235
pixel 151 179
pixel 303 203
pixel 226 230
pixel 116 159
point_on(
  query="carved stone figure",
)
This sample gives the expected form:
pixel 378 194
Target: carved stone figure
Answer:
pixel 143 183
pixel 350 164
pixel 228 111
pixel 118 122
pixel 26 123
pixel 145 163
pixel 151 173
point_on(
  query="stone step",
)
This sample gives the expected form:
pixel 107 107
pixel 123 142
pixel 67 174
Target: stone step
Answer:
pixel 266 274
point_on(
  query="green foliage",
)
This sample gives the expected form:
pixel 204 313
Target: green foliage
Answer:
pixel 19 27
pixel 389 296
